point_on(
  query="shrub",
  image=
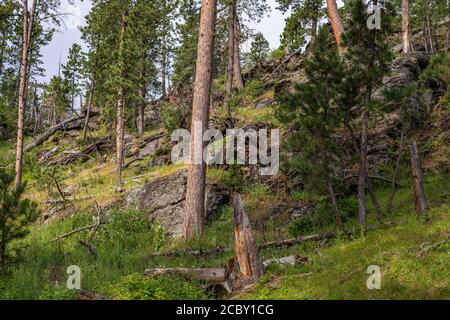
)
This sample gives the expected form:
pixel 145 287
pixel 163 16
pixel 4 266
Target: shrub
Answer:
pixel 15 214
pixel 139 287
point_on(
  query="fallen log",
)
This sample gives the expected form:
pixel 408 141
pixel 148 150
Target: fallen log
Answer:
pixel 195 253
pixel 83 294
pixel 294 241
pixel 218 275
pixel 64 125
pixel 73 156
pixel 215 275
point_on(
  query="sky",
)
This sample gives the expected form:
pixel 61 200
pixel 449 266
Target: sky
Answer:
pixel 271 26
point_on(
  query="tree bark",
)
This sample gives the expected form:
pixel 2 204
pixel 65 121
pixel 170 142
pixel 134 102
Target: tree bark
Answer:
pixel 164 69
pixel 337 212
pixel 397 168
pixel 88 109
pixel 26 37
pixel 336 24
pixel 448 29
pixel 416 171
pixel 368 179
pixel 406 28
pixel 141 92
pixel 315 21
pixel 363 168
pixel 246 250
pixel 373 197
pixel 195 192
pixel 237 56
pixel 231 42
pixel 120 110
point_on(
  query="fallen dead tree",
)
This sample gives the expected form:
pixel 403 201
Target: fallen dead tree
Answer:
pixel 73 156
pixel 218 275
pixel 64 125
pixel 294 241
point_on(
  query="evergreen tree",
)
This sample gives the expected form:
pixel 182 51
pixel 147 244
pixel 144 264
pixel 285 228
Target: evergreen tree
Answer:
pixel 73 71
pixel 259 51
pixel 303 22
pixel 368 57
pixel 16 214
pixel 312 115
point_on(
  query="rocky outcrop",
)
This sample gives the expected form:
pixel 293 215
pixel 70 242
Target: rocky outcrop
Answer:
pixel 164 198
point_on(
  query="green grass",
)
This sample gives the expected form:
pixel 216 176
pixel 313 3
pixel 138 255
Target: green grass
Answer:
pixel 336 270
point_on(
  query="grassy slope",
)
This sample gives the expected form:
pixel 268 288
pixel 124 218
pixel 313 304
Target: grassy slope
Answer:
pixel 124 248
pixel 336 269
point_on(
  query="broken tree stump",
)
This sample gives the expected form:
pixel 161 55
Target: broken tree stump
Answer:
pixel 416 172
pixel 248 267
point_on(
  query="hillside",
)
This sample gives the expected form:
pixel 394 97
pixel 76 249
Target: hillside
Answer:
pixel 412 253
pixel 337 186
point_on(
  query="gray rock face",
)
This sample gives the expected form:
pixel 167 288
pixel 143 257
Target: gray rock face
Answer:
pixel 164 198
pixel 149 149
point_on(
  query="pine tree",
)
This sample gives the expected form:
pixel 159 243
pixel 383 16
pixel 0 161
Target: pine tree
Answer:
pixel 195 190
pixel 303 22
pixel 368 57
pixel 74 70
pixel 259 50
pixel 313 115
pixel 16 214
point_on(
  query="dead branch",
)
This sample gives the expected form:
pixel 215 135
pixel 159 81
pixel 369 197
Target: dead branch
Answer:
pixel 59 127
pixel 375 178
pixel 73 232
pixel 292 242
pixel 83 294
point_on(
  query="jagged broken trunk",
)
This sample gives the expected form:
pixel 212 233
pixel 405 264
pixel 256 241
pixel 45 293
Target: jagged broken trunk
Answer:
pixel 247 267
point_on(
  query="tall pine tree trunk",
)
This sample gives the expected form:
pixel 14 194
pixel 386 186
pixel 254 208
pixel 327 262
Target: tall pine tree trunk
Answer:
pixel 336 24
pixel 363 167
pixel 120 109
pixel 141 93
pixel 237 56
pixel 406 28
pixel 164 69
pixel 231 42
pixel 23 79
pixel 88 109
pixel 195 191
